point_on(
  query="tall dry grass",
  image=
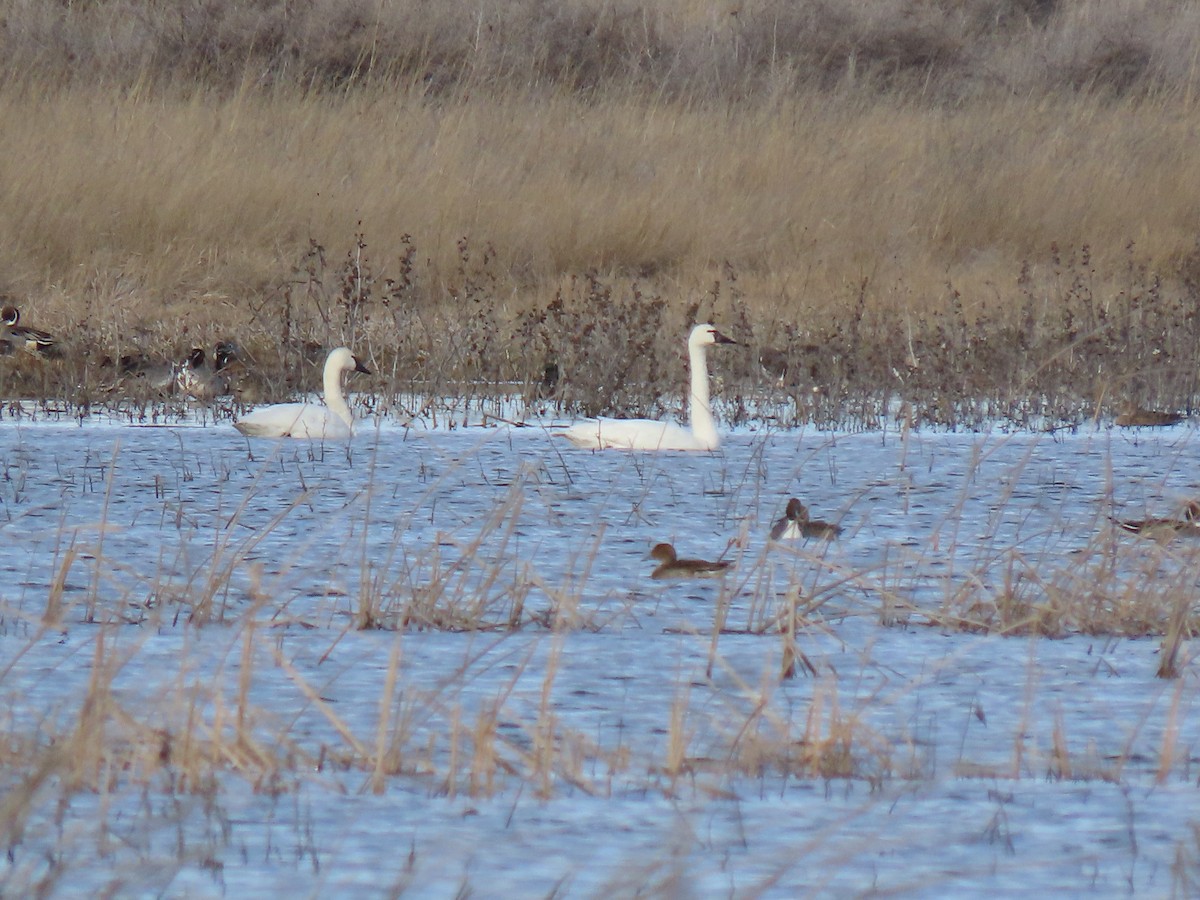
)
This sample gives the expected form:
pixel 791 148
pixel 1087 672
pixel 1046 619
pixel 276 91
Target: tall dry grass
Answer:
pixel 170 173
pixel 160 201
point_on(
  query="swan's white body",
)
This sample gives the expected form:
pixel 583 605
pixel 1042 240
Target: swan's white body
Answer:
pixel 650 434
pixel 332 421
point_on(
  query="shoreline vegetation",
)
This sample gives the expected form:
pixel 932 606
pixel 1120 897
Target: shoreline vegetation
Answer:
pixel 986 210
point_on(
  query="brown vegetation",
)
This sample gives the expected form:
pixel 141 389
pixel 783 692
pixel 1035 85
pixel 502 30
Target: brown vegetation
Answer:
pixel 880 191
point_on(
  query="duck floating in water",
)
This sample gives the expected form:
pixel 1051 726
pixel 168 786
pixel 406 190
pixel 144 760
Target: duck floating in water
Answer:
pixel 203 382
pixel 331 421
pixel 650 434
pixel 14 335
pixel 1134 416
pixel 796 524
pixel 670 566
pixel 1163 529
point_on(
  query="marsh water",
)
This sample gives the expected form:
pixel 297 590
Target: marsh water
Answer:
pixel 475 607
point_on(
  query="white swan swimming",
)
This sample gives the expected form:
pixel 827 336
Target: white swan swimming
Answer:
pixel 650 434
pixel 333 421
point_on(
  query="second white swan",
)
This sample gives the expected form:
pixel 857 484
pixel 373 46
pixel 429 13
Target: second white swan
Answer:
pixel 650 434
pixel 332 421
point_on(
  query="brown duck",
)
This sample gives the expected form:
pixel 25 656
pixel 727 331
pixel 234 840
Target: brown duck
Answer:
pixel 1188 523
pixel 1133 416
pixel 670 566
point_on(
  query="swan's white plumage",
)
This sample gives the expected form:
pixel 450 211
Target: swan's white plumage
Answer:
pixel 331 421
pixel 650 434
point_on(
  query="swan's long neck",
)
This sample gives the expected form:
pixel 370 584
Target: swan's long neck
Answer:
pixel 333 395
pixel 699 410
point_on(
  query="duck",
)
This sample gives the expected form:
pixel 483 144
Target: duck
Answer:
pixel 331 421
pixel 14 335
pixel 160 377
pixel 202 382
pixel 651 434
pixel 1188 523
pixel 797 524
pixel 776 364
pixel 1134 416
pixel 670 566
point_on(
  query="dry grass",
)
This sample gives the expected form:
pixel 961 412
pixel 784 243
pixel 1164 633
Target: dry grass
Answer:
pixel 916 250
pixel 157 202
pixel 951 198
pixel 678 167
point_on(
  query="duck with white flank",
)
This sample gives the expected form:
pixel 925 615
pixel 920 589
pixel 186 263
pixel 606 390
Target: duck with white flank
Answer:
pixel 331 421
pixel 796 524
pixel 649 434
pixel 15 336
pixel 670 566
pixel 201 381
pixel 1164 529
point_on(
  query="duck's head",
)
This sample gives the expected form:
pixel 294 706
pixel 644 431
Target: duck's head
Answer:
pixel 664 553
pixel 223 354
pixel 10 315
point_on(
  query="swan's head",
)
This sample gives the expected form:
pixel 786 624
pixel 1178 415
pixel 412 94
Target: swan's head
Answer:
pixel 664 553
pixel 703 335
pixel 342 360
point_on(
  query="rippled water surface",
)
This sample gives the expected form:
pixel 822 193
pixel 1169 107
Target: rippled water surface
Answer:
pixel 504 579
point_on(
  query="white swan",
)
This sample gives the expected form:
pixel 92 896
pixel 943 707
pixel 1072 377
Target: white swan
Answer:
pixel 649 434
pixel 333 421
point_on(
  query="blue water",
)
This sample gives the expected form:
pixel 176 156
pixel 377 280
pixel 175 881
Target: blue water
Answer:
pixel 622 745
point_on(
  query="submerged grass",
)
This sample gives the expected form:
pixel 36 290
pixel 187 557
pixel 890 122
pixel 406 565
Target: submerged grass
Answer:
pixel 257 716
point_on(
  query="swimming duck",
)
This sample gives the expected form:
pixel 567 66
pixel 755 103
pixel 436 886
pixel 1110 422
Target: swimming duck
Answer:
pixel 331 421
pixel 203 382
pixel 17 336
pixel 796 524
pixel 1188 523
pixel 670 566
pixel 1133 416
pixel 650 434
